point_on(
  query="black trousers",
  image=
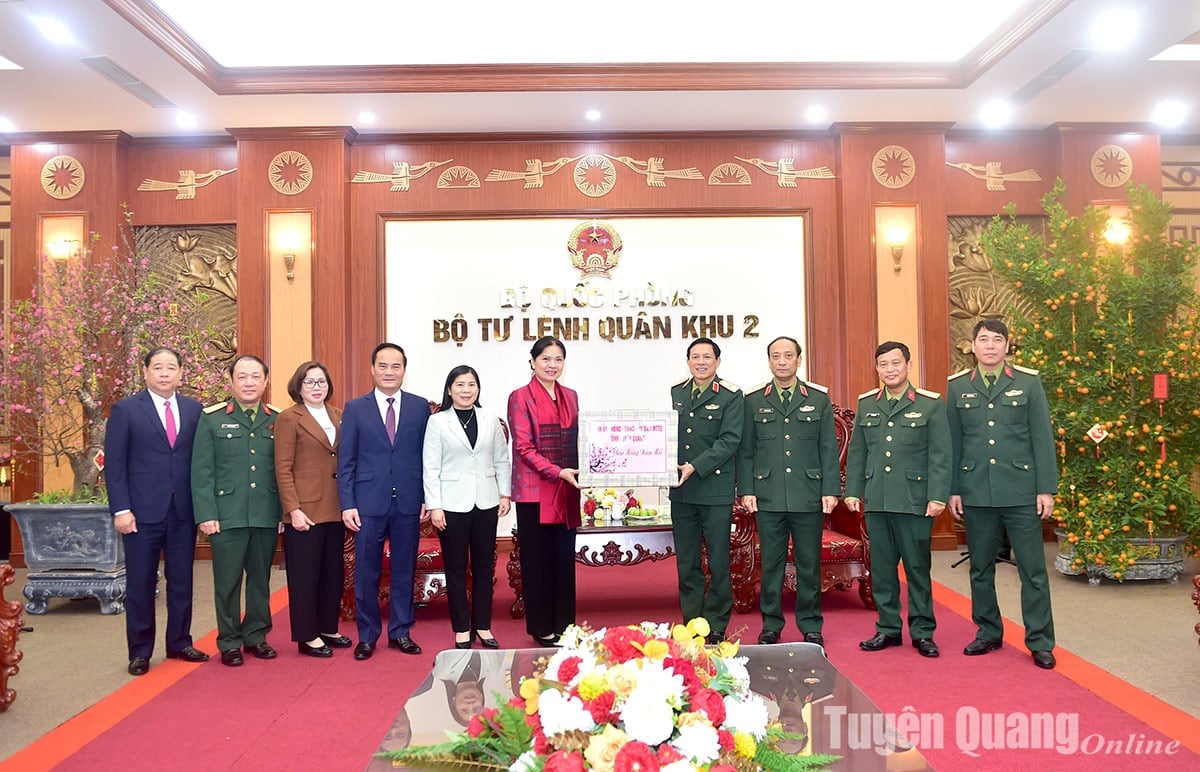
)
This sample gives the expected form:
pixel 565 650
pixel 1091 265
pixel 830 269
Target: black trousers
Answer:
pixel 547 572
pixel 314 578
pixel 175 540
pixel 470 538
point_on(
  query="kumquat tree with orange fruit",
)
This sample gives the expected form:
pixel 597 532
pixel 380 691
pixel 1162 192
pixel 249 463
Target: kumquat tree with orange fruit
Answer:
pixel 1111 327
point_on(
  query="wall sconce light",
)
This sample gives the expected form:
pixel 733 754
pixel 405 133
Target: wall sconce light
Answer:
pixel 1117 231
pixel 289 242
pixel 896 236
pixel 63 249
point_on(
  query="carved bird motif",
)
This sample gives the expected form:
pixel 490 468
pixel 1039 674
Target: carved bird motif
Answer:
pixel 535 173
pixel 189 181
pixel 402 174
pixel 786 175
pixel 992 175
pixel 653 170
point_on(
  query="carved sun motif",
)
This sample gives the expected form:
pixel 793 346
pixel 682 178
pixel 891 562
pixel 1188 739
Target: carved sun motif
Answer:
pixel 595 175
pixel 1111 166
pixel 893 166
pixel 62 177
pixel 729 174
pixel 458 177
pixel 290 172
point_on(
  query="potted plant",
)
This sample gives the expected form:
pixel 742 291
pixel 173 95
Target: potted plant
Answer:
pixel 71 350
pixel 1111 326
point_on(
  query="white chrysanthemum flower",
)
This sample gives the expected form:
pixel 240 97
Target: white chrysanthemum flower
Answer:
pixel 587 663
pixel 665 685
pixel 560 713
pixel 526 762
pixel 736 669
pixel 698 742
pixel 747 715
pixel 648 717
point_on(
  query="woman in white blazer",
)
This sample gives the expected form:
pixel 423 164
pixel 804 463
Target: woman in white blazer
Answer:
pixel 468 487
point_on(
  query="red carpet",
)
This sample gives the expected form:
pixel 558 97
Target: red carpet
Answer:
pixel 301 713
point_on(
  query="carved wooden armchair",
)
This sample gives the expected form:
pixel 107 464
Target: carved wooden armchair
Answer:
pixel 10 629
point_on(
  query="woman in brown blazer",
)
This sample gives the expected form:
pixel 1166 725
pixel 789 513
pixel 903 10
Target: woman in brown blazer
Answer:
pixel 306 442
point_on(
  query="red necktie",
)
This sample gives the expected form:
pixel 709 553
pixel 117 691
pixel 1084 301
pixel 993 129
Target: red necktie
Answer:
pixel 390 420
pixel 172 431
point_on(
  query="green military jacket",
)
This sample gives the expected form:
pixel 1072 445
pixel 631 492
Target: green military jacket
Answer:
pixel 789 458
pixel 709 430
pixel 899 458
pixel 233 467
pixel 1002 441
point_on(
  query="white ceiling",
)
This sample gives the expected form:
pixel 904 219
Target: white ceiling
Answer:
pixel 56 92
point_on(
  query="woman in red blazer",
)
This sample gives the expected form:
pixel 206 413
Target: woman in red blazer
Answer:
pixel 306 442
pixel 544 418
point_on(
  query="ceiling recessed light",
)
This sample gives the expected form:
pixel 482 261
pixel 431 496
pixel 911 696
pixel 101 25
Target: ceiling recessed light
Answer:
pixel 54 30
pixel 592 115
pixel 185 119
pixel 1170 114
pixel 996 113
pixel 8 64
pixel 6 125
pixel 1114 29
pixel 367 117
pixel 816 114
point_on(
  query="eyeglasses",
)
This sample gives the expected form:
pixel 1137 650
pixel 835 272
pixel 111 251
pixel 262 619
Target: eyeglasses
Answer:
pixel 314 383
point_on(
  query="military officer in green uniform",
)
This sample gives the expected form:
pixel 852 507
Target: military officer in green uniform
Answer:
pixel 710 425
pixel 1005 478
pixel 898 468
pixel 237 505
pixel 788 476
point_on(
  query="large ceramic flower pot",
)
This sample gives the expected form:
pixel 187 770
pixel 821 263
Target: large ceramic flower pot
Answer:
pixel 72 551
pixel 1158 558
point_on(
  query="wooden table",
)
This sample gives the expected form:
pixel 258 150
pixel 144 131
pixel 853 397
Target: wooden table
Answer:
pixel 629 542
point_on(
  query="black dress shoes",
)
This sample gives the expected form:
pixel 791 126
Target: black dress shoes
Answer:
pixel 337 641
pixel 546 641
pixel 364 650
pixel 406 645
pixel 980 646
pixel 1043 659
pixel 321 651
pixel 767 637
pixel 262 650
pixel 881 641
pixel 489 643
pixel 139 666
pixel 464 644
pixel 816 638
pixel 232 657
pixel 188 654
pixel 715 637
pixel 925 647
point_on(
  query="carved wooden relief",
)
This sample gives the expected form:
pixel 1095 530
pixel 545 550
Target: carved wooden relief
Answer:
pixel 783 172
pixel 976 290
pixel 993 175
pixel 63 177
pixel 893 166
pixel 290 172
pixel 535 173
pixel 185 188
pixel 403 175
pixel 1111 166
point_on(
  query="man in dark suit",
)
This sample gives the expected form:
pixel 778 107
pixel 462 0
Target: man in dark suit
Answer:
pixel 148 463
pixel 381 495
pixel 710 425
pixel 237 505
pixel 1005 478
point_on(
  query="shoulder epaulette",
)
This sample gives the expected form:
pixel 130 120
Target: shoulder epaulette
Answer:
pixel 928 393
pixel 959 374
pixel 216 407
pixel 685 380
pixel 729 385
pixel 818 387
pixel 1026 370
pixel 758 388
pixel 272 408
pixel 870 393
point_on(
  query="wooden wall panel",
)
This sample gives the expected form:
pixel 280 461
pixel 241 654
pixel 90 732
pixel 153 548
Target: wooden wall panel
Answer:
pixel 214 204
pixel 630 194
pixel 965 194
pixel 1075 146
pixel 326 196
